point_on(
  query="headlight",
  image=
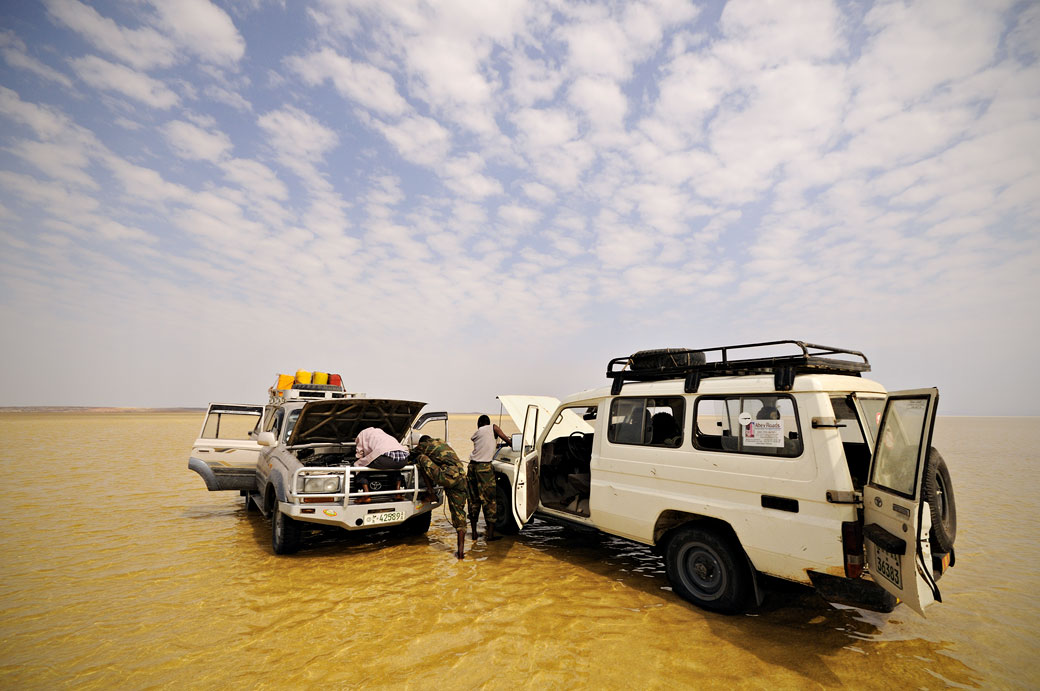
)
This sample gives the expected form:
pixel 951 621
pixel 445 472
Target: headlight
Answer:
pixel 319 485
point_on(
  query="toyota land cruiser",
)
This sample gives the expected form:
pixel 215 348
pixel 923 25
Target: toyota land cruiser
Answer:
pixel 782 461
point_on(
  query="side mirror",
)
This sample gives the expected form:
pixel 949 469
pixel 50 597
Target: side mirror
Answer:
pixel 266 439
pixel 516 442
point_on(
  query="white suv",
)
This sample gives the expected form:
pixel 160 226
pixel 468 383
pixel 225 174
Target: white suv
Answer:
pixel 294 460
pixel 781 461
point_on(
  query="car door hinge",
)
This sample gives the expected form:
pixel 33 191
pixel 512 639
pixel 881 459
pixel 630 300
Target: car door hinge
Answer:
pixel 835 496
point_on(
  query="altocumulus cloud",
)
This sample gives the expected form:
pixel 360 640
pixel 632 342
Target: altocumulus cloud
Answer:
pixel 446 202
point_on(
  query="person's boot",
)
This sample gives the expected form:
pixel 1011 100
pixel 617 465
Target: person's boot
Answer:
pixel 461 552
pixel 473 523
pixel 490 534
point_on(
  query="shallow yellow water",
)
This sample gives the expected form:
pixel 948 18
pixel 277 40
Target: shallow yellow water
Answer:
pixel 118 568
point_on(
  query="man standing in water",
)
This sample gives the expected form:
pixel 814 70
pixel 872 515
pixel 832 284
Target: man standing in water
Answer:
pixel 480 478
pixel 441 466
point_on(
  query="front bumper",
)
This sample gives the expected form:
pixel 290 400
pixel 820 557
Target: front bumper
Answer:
pixel 359 516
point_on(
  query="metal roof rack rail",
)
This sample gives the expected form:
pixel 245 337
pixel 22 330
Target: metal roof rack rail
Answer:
pixel 692 365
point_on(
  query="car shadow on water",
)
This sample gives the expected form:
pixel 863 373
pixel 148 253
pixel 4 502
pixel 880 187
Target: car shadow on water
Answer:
pixel 793 627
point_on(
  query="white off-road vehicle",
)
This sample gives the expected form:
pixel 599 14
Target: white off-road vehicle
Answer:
pixel 294 459
pixel 782 461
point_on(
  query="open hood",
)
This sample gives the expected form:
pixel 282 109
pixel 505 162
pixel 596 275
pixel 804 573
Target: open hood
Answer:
pixel 339 420
pixel 516 406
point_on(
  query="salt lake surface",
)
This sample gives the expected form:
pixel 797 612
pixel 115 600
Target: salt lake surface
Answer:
pixel 119 569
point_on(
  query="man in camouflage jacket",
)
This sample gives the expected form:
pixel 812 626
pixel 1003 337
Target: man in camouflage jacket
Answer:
pixel 442 467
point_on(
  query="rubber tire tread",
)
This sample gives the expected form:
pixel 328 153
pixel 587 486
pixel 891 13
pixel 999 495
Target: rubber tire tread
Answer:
pixel 944 532
pixel 505 524
pixel 416 525
pixel 291 533
pixel 737 595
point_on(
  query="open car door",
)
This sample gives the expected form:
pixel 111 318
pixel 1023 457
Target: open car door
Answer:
pixel 895 527
pixel 225 452
pixel 528 466
pixel 427 424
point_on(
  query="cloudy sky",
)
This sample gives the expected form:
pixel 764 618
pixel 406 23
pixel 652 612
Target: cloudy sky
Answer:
pixel 449 200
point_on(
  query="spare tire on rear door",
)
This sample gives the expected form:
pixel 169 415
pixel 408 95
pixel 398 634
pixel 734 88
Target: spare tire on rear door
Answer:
pixel 664 359
pixel 938 492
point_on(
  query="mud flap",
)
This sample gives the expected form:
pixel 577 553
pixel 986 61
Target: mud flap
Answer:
pixel 854 592
pixel 760 595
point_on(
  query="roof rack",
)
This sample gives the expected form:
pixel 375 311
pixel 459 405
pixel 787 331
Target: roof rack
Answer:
pixel 679 363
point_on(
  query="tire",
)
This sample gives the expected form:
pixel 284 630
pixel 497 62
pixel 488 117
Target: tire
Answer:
pixel 708 569
pixel 285 533
pixel 938 492
pixel 505 524
pixel 416 525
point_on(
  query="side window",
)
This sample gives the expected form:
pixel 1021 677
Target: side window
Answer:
pixel 760 424
pixel 627 419
pixel 899 448
pixel 872 408
pixel 230 425
pixel 647 421
pixel 274 423
pixel 847 420
pixel 291 423
pixel 530 433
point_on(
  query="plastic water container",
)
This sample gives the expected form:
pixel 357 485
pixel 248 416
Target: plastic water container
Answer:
pixel 285 381
pixel 320 378
pixel 335 380
pixel 303 376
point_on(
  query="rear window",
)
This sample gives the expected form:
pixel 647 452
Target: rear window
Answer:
pixel 755 424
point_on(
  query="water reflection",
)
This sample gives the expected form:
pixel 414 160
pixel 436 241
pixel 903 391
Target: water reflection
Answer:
pixel 138 577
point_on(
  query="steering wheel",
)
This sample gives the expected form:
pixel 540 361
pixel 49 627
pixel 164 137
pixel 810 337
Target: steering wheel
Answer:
pixel 574 443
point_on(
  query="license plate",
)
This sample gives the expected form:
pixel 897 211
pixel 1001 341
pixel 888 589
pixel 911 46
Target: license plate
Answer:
pixel 887 564
pixel 385 517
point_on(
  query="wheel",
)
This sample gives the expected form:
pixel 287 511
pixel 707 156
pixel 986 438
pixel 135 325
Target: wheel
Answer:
pixel 505 524
pixel 938 492
pixel 285 533
pixel 416 525
pixel 708 569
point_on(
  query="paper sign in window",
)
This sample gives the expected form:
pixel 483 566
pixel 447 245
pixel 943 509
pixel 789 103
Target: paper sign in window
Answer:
pixel 767 433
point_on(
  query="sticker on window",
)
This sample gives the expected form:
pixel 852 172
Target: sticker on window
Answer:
pixel 765 433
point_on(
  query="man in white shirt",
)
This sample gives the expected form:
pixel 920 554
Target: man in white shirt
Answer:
pixel 480 478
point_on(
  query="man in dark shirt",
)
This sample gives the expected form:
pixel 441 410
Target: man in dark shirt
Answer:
pixel 441 466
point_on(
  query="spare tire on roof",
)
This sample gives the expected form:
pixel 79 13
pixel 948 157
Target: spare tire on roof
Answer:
pixel 664 359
